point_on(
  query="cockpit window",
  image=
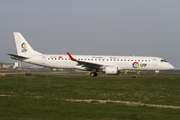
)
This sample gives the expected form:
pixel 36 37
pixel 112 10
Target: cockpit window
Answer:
pixel 163 61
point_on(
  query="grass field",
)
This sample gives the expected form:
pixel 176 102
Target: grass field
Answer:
pixel 80 97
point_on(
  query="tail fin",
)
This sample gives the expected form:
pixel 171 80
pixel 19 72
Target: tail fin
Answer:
pixel 23 47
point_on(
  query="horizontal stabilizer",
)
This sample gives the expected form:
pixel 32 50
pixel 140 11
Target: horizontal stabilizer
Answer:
pixel 18 57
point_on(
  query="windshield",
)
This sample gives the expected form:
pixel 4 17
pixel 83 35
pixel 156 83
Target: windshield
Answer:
pixel 163 61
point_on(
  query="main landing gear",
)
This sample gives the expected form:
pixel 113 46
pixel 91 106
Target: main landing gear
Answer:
pixel 156 73
pixel 93 73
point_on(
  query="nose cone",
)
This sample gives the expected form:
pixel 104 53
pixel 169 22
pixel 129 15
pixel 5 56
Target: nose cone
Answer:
pixel 171 67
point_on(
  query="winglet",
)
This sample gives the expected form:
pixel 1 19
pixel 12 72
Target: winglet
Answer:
pixel 71 57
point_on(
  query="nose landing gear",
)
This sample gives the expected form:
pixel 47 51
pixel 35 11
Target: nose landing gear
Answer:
pixel 156 73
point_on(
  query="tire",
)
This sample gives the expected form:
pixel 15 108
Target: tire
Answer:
pixel 93 74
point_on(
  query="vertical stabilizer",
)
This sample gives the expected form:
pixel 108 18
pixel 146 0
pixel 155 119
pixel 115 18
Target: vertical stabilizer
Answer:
pixel 22 46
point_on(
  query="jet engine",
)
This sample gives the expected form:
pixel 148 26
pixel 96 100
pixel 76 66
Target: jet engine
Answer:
pixel 111 70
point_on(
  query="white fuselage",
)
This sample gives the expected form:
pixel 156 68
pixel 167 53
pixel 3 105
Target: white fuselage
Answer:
pixel 122 62
pixel 94 63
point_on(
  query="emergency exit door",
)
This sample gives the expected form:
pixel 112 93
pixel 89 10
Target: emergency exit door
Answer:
pixel 43 60
pixel 154 62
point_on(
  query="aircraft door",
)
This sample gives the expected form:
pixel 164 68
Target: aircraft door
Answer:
pixel 43 60
pixel 154 62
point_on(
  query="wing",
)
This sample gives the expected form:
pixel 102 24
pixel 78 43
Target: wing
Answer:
pixel 17 57
pixel 89 65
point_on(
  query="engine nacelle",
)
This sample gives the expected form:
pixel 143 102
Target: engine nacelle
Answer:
pixel 111 70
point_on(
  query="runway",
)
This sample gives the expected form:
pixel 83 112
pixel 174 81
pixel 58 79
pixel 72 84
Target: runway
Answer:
pixel 34 72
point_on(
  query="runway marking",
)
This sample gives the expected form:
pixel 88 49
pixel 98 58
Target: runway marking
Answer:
pixel 124 102
pixel 5 95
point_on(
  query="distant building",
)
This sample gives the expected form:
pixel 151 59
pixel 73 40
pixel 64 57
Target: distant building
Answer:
pixel 6 65
pixel 16 64
pixel 0 64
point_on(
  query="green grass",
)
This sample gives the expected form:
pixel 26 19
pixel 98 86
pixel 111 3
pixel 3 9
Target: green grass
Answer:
pixel 42 96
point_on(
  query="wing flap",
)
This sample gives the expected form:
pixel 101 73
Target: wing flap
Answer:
pixel 89 64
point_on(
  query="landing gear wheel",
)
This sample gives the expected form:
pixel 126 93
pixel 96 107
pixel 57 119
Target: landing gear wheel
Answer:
pixel 156 73
pixel 93 74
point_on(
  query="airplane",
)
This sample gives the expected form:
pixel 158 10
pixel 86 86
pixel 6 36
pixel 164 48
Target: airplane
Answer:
pixel 93 63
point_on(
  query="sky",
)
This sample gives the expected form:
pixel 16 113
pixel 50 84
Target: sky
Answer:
pixel 93 27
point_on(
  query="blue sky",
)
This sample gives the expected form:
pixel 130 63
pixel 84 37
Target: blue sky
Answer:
pixel 96 27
